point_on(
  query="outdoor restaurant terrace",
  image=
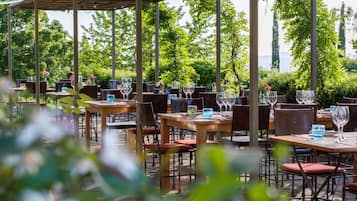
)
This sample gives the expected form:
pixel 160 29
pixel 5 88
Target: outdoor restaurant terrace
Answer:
pixel 174 130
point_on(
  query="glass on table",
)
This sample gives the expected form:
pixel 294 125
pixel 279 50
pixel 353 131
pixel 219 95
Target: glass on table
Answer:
pixel 219 100
pixel 271 98
pixel 299 96
pixel 340 117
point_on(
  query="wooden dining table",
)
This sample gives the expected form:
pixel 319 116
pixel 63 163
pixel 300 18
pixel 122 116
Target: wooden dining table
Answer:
pixel 104 108
pixel 219 123
pixel 328 144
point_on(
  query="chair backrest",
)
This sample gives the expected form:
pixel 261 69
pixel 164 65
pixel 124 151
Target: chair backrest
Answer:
pixel 175 91
pixel 299 106
pixel 196 92
pixel 242 100
pixel 159 102
pixel 180 104
pixel 145 114
pixel 209 100
pixel 240 119
pixel 281 99
pixel 91 91
pixel 293 121
pixel 114 83
pixel 30 86
pixel 20 81
pixel 346 99
pixel 352 123
pixel 105 92
pixel 59 85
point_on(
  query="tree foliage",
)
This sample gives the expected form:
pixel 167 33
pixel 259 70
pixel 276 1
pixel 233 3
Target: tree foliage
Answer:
pixel 296 17
pixel 56 47
pixel 275 43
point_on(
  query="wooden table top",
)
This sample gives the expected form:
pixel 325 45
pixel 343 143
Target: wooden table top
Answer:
pixel 105 104
pixel 198 118
pixel 327 144
pixel 63 94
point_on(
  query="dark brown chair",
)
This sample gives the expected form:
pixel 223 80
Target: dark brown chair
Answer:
pixel 242 100
pixel 196 93
pixel 299 121
pixel 240 122
pixel 115 92
pixel 346 99
pixel 352 123
pixel 146 118
pixel 30 86
pixel 293 121
pixel 159 102
pixel 91 91
pixel 209 100
pixel 59 85
pixel 20 81
pixel 180 104
pixel 281 99
pixel 175 91
pixel 299 106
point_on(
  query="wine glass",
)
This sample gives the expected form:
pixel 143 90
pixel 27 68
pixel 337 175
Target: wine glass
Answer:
pixel 299 96
pixel 340 117
pixel 230 100
pixel 271 98
pixel 127 90
pixel 121 87
pixel 185 90
pixel 190 89
pixel 309 95
pixel 219 100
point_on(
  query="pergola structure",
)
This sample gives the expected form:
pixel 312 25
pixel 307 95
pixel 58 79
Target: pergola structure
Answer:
pixel 76 5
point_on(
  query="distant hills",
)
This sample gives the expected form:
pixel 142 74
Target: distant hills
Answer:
pixel 285 60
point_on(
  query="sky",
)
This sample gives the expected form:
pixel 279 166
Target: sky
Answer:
pixel 265 22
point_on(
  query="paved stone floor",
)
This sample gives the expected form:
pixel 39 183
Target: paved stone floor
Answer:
pixel 123 140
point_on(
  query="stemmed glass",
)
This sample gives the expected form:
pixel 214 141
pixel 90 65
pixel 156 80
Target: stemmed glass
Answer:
pixel 299 96
pixel 340 117
pixel 271 98
pixel 309 96
pixel 191 89
pixel 230 100
pixel 219 100
pixel 127 90
pixel 185 90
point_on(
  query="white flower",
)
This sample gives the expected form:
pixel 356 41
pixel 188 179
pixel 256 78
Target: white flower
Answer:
pixel 40 127
pixel 83 167
pixel 32 161
pixel 31 195
pixel 118 158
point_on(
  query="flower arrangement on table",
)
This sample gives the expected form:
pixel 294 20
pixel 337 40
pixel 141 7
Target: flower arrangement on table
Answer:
pixel 45 74
pixel 161 85
pixel 91 80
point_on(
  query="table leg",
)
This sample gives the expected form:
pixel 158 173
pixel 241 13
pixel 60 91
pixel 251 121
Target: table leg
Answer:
pixel 87 116
pixel 165 158
pixel 103 117
pixel 201 135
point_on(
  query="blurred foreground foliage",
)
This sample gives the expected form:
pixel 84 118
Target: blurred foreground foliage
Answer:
pixel 41 160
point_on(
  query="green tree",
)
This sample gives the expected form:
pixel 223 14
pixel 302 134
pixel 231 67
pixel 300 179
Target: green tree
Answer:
pixel 235 39
pixel 96 45
pixel 296 17
pixel 275 43
pixel 342 30
pixel 55 45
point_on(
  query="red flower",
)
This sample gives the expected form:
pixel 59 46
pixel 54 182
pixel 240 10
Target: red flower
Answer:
pixel 92 77
pixel 45 73
pixel 267 87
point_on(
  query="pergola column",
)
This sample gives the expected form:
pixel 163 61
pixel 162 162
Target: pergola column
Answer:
pixel 139 69
pixel 37 56
pixel 75 64
pixel 113 44
pixel 218 45
pixel 9 43
pixel 313 45
pixel 157 47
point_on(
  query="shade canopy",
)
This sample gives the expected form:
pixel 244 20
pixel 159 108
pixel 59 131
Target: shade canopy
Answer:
pixel 82 4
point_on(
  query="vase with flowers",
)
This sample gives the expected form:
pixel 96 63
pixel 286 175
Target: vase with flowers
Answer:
pixel 161 85
pixel 45 74
pixel 91 80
